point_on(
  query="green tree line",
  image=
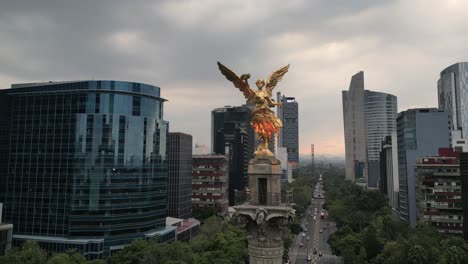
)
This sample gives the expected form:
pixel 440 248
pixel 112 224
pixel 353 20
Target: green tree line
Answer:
pixel 218 241
pixel 31 253
pixel 369 232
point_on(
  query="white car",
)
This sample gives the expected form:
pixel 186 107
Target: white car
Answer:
pixel 303 234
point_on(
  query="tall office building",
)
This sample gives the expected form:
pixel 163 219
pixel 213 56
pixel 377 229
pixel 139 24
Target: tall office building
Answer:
pixel 452 89
pixel 179 186
pixel 381 114
pixel 354 128
pixel 239 116
pixel 368 118
pixel 233 136
pixel 389 184
pixel 289 135
pixel 84 164
pixel 421 132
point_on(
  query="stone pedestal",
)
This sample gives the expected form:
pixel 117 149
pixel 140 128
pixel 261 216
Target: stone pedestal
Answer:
pixel 266 212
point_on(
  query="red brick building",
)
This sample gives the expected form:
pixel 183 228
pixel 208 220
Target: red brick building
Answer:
pixel 210 182
pixel 438 187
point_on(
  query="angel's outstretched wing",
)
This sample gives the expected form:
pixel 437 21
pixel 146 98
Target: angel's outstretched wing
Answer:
pixel 238 82
pixel 275 78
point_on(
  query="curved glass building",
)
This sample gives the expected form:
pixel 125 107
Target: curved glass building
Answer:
pixel 452 89
pixel 83 164
pixel 381 114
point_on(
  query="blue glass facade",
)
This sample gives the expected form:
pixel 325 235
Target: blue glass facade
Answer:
pixel 289 134
pixel 421 132
pixel 82 160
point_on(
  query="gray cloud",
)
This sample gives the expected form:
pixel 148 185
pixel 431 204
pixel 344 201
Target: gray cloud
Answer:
pixel 401 45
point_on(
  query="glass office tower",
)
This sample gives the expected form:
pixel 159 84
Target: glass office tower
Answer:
pixel 452 89
pixel 83 164
pixel 289 134
pixel 233 136
pixel 421 132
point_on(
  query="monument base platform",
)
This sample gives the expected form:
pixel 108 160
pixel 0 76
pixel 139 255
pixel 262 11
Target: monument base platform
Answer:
pixel 265 215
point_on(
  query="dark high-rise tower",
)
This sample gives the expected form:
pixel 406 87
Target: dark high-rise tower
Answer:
pixel 83 164
pixel 180 175
pixel 289 134
pixel 233 136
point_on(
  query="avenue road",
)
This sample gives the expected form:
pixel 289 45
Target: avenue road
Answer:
pixel 311 246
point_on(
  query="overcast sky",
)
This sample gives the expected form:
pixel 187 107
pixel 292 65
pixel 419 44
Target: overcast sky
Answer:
pixel 400 45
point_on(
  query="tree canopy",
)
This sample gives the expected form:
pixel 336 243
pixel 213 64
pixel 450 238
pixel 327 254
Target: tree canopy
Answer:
pixel 218 241
pixel 31 253
pixel 369 233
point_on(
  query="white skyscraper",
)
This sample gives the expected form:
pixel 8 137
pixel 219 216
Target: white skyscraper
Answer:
pixel 354 127
pixel 368 118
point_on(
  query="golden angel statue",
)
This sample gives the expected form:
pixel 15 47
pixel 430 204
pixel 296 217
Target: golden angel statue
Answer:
pixel 264 121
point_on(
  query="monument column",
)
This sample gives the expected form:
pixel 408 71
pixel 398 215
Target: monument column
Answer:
pixel 266 211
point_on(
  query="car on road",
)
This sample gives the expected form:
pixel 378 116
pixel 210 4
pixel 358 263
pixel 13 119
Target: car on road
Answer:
pixel 315 251
pixel 320 253
pixel 305 229
pixel 301 244
pixel 308 257
pixel 303 234
pixel 307 238
pixel 320 231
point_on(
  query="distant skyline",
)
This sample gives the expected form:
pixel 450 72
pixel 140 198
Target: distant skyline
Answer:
pixel 400 45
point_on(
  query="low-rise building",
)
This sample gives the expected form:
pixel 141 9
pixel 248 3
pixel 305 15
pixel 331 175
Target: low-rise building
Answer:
pixel 438 186
pixel 186 229
pixel 210 182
